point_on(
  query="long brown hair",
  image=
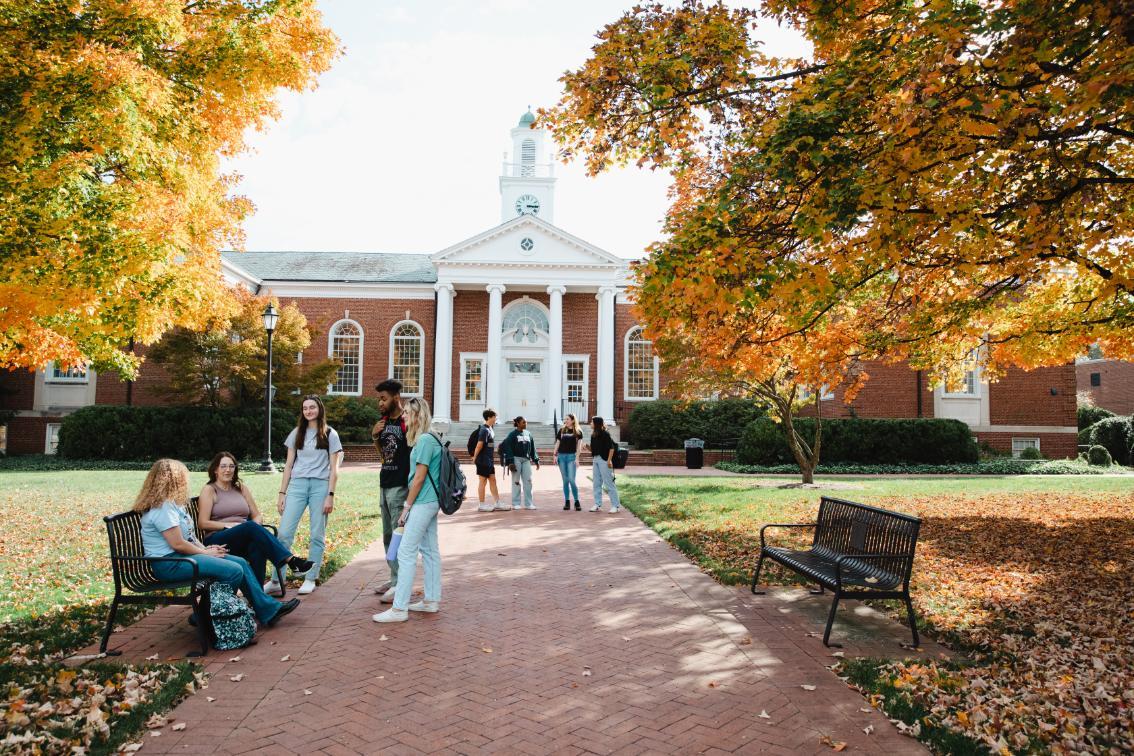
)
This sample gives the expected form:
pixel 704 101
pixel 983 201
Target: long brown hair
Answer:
pixel 167 479
pixel 215 464
pixel 321 434
pixel 575 426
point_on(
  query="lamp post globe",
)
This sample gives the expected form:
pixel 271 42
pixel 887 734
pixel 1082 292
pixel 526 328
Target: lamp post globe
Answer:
pixel 271 316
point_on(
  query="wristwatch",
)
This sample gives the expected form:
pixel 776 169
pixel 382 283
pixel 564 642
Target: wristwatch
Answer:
pixel 330 493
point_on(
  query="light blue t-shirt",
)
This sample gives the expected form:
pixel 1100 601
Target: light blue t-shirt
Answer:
pixel 160 519
pixel 311 461
pixel 427 451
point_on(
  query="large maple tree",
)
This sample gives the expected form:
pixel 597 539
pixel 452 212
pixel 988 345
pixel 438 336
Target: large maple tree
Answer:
pixel 935 180
pixel 114 117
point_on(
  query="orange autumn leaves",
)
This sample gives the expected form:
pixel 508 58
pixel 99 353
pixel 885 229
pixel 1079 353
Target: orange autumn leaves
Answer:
pixel 115 208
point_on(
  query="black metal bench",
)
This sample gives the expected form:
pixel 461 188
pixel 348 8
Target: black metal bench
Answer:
pixel 858 551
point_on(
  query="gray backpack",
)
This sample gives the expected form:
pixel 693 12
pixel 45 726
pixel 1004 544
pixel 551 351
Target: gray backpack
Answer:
pixel 234 623
pixel 451 489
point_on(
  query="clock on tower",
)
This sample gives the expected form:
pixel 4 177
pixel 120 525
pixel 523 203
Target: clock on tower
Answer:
pixel 527 204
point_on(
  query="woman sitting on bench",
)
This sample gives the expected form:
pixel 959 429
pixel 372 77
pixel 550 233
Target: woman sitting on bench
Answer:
pixel 167 530
pixel 227 514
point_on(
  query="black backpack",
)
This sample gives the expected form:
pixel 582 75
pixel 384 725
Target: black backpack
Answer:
pixel 452 487
pixel 474 439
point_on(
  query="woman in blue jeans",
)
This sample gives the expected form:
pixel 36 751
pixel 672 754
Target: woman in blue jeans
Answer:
pixel 312 470
pixel 566 452
pixel 167 531
pixel 419 518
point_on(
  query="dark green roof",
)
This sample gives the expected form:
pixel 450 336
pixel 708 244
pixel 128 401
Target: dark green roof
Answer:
pixel 527 119
pixel 359 267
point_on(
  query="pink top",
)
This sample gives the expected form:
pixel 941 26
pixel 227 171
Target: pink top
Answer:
pixel 230 506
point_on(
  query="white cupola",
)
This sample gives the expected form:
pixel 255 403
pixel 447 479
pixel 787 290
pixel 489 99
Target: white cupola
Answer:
pixel 527 181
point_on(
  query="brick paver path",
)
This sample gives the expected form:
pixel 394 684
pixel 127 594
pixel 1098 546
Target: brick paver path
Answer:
pixel 559 632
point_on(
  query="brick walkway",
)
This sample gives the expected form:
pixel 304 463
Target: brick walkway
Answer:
pixel 559 632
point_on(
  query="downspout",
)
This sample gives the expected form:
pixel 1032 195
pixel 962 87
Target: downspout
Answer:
pixel 917 384
pixel 130 383
pixel 433 403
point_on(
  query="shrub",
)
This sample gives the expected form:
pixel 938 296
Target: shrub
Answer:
pixel 1002 466
pixel 1089 415
pixel 1031 453
pixel 146 433
pixel 867 441
pixel 665 424
pixel 353 417
pixel 1115 434
pixel 1098 456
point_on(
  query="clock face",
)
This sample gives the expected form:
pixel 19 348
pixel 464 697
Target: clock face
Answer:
pixel 527 204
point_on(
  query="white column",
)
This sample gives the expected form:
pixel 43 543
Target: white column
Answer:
pixel 493 370
pixel 443 356
pixel 606 347
pixel 555 355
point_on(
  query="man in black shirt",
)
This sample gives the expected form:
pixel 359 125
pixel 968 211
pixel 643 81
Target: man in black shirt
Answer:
pixel 483 459
pixel 602 448
pixel 390 437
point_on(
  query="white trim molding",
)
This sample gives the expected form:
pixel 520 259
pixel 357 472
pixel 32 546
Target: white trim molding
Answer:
pixel 626 340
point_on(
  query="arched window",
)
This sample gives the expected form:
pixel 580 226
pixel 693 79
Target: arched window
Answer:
pixel 527 157
pixel 407 356
pixel 641 378
pixel 525 320
pixel 345 345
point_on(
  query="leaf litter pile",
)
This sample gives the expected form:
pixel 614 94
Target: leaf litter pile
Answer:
pixel 1034 589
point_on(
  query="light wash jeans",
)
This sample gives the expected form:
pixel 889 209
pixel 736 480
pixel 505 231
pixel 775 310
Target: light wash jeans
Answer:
pixel 304 493
pixel 420 535
pixel 391 502
pixel 522 475
pixel 227 569
pixel 567 468
pixel 604 476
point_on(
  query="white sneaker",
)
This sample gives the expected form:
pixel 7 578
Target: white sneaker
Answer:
pixel 516 507
pixel 529 506
pixel 424 606
pixel 272 588
pixel 595 508
pixel 388 596
pixel 307 587
pixel 501 507
pixel 615 510
pixel 391 615
pixel 484 508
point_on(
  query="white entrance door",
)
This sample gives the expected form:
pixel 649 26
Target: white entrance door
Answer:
pixel 523 390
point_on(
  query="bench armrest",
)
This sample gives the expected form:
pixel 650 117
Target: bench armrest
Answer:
pixel 196 569
pixel 784 525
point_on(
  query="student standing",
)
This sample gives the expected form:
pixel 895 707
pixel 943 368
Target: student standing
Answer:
pixel 520 454
pixel 312 470
pixel 567 440
pixel 602 449
pixel 419 517
pixel 483 458
pixel 389 436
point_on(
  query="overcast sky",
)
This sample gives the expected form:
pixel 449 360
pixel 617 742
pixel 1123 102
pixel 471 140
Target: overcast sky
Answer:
pixel 399 149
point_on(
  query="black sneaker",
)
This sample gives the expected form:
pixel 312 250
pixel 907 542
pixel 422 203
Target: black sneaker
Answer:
pixel 299 565
pixel 285 608
pixel 566 506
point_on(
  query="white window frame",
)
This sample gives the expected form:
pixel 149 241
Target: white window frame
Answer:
pixel 480 357
pixel 825 393
pixel 361 350
pixel 626 367
pixel 1031 442
pixel 50 377
pixel 975 372
pixel 420 355
pixel 52 429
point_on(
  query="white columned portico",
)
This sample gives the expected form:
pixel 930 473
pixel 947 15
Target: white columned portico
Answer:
pixel 493 374
pixel 605 388
pixel 555 354
pixel 443 356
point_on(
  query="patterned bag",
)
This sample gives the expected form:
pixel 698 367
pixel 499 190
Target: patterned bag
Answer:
pixel 234 623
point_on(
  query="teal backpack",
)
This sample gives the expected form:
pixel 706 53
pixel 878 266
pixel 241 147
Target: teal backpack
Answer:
pixel 234 623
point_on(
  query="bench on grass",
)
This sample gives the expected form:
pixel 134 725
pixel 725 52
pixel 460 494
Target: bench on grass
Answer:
pixel 858 551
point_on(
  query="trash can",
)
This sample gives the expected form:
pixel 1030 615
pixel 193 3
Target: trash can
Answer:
pixel 694 453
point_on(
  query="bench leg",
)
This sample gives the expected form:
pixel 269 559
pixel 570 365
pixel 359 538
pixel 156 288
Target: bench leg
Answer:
pixel 831 621
pixel 109 629
pixel 913 621
pixel 756 575
pixel 200 609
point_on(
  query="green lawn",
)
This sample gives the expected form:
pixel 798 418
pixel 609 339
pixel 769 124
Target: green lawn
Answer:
pixel 1028 576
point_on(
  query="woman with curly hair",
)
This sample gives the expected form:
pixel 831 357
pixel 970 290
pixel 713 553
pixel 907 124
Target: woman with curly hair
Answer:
pixel 167 530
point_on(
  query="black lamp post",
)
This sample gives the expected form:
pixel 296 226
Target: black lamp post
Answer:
pixel 271 315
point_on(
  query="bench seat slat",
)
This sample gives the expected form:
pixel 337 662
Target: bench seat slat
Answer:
pixel 821 568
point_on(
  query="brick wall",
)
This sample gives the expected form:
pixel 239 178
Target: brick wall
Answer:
pixel 147 390
pixel 17 389
pixel 470 334
pixel 27 435
pixel 1025 397
pixel 1052 445
pixel 1115 391
pixel 890 392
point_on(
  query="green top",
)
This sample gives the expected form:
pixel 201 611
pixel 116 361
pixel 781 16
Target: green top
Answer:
pixel 527 119
pixel 427 451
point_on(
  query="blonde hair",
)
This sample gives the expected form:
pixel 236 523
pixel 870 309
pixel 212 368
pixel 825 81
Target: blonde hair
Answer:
pixel 167 479
pixel 418 419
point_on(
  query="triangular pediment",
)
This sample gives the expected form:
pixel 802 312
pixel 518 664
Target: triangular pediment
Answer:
pixel 530 242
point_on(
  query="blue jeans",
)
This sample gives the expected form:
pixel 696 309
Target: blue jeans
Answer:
pixel 420 534
pixel 604 476
pixel 522 476
pixel 229 569
pixel 251 541
pixel 304 493
pixel 567 468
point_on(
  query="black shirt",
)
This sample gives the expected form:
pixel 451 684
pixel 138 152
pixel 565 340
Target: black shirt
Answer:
pixel 568 441
pixel 486 436
pixel 601 445
pixel 395 454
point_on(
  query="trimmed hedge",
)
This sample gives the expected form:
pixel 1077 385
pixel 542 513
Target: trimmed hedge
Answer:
pixel 864 441
pixel 1088 416
pixel 1114 433
pixel 987 467
pixel 353 417
pixel 146 433
pixel 665 424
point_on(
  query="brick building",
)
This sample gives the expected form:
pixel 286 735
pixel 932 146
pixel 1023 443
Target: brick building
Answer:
pixel 1109 383
pixel 524 318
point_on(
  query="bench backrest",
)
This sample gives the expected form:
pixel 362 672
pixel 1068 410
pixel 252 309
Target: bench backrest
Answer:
pixel 847 527
pixel 124 533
